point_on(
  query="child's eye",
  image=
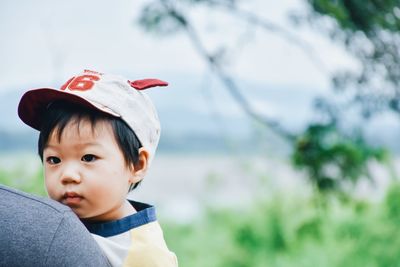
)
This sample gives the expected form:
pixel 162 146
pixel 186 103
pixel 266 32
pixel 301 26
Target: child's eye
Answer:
pixel 89 158
pixel 53 160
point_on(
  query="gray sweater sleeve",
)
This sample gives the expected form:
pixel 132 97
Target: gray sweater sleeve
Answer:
pixel 73 247
pixel 36 231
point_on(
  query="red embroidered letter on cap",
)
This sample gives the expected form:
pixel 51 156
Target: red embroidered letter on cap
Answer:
pixel 147 83
pixel 65 85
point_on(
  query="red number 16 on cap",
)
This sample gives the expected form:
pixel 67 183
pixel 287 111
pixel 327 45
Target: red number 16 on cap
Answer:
pixel 80 83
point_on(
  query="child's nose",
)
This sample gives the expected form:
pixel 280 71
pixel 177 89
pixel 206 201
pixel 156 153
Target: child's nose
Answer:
pixel 70 174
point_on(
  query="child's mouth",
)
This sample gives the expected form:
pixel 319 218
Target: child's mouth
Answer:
pixel 71 198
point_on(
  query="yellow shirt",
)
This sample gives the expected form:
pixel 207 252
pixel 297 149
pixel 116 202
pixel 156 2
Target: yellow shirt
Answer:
pixel 135 241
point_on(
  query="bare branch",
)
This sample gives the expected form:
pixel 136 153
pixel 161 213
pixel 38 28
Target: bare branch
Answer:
pixel 292 39
pixel 225 78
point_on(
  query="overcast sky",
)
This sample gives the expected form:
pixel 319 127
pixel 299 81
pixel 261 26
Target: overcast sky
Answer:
pixel 44 42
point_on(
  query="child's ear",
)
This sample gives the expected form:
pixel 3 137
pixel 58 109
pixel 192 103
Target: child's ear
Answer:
pixel 140 168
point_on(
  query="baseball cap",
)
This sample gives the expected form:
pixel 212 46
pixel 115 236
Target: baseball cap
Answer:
pixel 112 94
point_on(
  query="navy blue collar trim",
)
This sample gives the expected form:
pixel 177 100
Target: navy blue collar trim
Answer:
pixel 145 214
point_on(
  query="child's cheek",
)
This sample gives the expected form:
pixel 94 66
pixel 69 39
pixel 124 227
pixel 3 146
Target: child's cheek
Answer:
pixel 50 187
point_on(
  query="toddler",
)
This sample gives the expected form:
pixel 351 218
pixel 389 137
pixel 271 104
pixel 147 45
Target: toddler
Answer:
pixel 98 136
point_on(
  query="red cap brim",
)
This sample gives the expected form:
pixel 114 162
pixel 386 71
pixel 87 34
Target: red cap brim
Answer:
pixel 33 104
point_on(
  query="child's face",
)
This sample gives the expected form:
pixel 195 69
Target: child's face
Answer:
pixel 86 170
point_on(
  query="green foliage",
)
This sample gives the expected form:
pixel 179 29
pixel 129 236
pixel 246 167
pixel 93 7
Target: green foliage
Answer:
pixel 356 15
pixel 392 202
pixel 369 29
pixel 25 180
pixel 291 231
pixel 156 17
pixel 166 17
pixel 332 160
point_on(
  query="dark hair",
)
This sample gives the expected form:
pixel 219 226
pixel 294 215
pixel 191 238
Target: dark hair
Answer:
pixel 60 113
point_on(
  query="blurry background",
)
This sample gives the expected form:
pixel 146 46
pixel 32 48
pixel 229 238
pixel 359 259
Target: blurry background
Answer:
pixel 279 127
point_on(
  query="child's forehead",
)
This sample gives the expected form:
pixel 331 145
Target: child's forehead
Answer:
pixel 82 128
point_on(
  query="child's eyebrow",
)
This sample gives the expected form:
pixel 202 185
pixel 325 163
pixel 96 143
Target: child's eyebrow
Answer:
pixel 88 144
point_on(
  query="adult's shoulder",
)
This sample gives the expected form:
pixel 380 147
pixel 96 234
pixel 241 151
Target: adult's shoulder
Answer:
pixel 36 231
pixel 12 198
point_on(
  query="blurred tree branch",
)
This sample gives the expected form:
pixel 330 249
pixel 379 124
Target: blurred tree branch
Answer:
pixel 322 147
pixel 165 17
pixel 370 32
pixel 255 20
